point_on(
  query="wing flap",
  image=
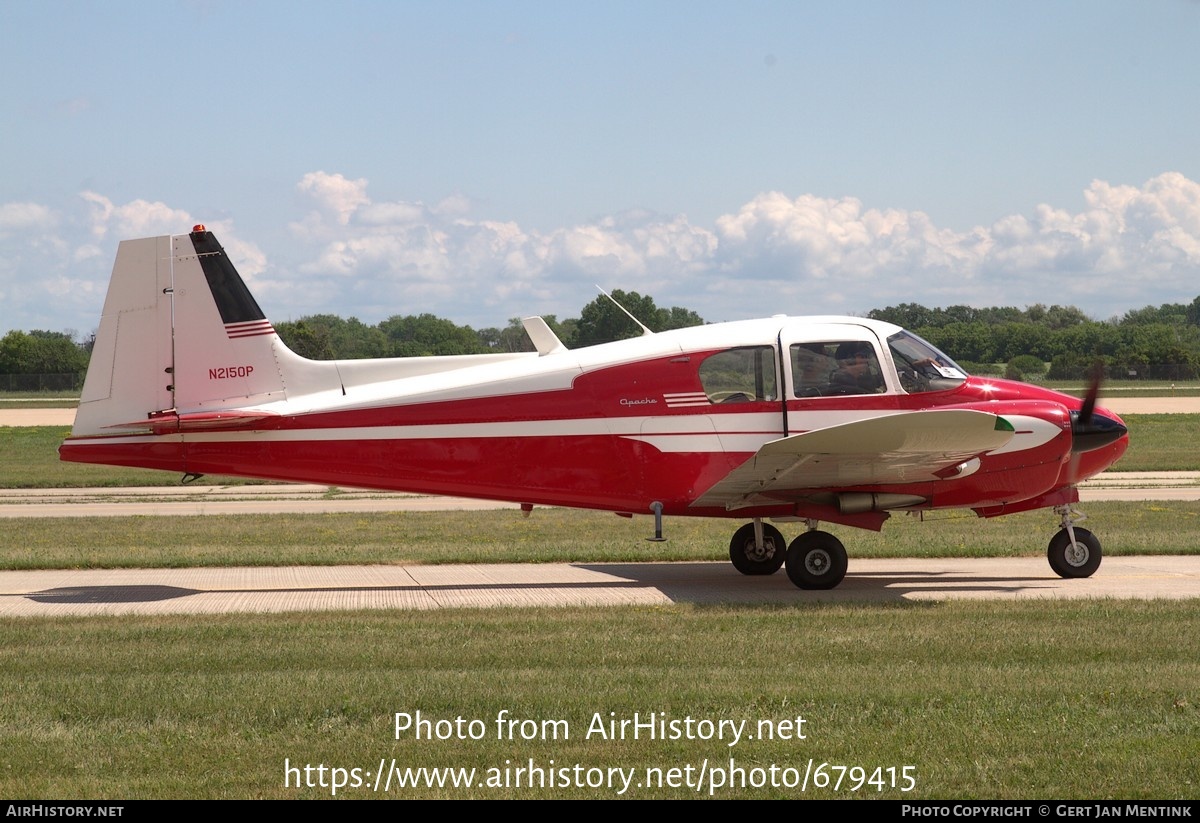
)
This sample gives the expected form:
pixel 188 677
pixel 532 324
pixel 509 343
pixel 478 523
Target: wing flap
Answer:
pixel 910 447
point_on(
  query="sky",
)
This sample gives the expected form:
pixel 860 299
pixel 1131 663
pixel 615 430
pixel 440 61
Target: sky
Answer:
pixel 482 161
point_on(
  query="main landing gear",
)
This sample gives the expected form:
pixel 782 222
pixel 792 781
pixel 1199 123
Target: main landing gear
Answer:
pixel 1073 552
pixel 815 559
pixel 757 548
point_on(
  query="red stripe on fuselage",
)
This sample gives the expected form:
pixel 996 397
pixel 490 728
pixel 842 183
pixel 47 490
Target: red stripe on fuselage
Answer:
pixel 602 469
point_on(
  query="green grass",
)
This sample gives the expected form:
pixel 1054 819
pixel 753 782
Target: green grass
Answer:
pixel 1129 388
pixel 1162 442
pixel 987 700
pixel 31 403
pixel 67 399
pixel 1124 388
pixel 549 535
pixel 1053 700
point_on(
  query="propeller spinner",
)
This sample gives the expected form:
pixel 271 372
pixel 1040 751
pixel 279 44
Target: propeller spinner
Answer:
pixel 1091 431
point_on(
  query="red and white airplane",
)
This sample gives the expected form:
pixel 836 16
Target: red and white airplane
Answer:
pixel 787 419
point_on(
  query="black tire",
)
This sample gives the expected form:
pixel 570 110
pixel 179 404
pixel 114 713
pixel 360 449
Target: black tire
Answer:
pixel 816 560
pixel 1080 559
pixel 751 559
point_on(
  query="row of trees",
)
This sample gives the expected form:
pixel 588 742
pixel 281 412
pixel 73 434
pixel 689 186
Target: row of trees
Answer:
pixel 1152 343
pixel 1155 343
pixel 328 337
pixel 42 361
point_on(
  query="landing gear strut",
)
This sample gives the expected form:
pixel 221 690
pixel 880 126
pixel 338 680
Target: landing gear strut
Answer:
pixel 757 548
pixel 815 560
pixel 1073 552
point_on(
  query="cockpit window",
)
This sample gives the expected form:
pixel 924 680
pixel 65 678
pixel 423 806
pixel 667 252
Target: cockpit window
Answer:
pixel 740 375
pixel 921 367
pixel 835 368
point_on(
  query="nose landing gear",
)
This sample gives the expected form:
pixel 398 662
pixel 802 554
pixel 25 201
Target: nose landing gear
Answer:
pixel 1073 552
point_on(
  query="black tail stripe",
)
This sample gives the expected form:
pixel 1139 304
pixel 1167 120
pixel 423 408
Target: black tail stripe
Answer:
pixel 234 301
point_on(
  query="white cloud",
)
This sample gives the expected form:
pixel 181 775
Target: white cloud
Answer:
pixel 805 254
pixel 334 194
pixel 385 214
pixel 138 218
pixel 55 263
pixel 25 217
pixel 1127 247
pixel 1130 247
pixel 826 254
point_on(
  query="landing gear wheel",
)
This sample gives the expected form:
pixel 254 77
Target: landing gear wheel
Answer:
pixel 1078 559
pixel 749 558
pixel 816 560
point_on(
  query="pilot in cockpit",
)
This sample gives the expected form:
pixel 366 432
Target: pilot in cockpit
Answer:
pixel 858 369
pixel 812 369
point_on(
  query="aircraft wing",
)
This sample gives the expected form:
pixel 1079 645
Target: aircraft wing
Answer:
pixel 909 447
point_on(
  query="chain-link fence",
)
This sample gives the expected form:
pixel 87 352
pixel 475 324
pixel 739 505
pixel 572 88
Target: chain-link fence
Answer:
pixel 41 383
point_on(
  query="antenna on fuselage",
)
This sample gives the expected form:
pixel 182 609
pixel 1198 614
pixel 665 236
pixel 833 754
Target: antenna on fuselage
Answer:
pixel 641 325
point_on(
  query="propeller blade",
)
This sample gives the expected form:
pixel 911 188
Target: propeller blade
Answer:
pixel 1091 431
pixel 1089 400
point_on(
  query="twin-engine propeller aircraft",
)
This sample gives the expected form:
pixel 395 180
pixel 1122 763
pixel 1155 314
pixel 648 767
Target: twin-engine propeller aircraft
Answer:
pixel 792 420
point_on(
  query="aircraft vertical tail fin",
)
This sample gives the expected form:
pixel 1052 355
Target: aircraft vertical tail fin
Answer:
pixel 181 335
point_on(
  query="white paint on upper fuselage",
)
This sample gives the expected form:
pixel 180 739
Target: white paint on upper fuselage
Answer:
pixel 346 385
pixel 381 383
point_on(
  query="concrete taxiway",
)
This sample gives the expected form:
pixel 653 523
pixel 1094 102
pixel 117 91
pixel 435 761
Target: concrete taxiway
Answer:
pixel 337 588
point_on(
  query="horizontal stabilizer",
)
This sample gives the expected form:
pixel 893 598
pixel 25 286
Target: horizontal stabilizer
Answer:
pixel 168 422
pixel 908 447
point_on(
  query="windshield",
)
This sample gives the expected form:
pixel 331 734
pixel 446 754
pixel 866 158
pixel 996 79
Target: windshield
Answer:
pixel 921 367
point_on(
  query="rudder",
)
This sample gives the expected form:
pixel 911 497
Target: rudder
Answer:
pixel 225 348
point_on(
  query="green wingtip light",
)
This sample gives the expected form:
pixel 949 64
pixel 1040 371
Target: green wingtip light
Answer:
pixel 1003 425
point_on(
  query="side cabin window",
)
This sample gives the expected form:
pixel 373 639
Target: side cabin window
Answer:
pixel 740 375
pixel 835 367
